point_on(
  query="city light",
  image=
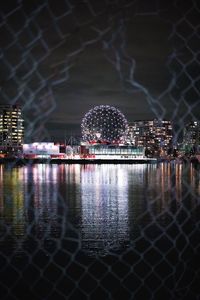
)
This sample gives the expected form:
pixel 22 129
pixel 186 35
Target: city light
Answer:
pixel 104 123
pixel 11 128
pixel 106 135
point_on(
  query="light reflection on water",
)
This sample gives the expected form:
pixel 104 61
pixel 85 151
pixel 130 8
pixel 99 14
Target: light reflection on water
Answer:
pixel 106 205
pixel 104 200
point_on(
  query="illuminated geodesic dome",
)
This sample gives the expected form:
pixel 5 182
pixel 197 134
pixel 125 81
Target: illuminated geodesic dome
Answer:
pixel 104 123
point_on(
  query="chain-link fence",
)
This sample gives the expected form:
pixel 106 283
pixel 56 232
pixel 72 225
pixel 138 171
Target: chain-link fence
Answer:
pixel 100 232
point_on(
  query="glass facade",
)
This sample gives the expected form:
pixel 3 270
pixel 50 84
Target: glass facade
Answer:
pixel 115 150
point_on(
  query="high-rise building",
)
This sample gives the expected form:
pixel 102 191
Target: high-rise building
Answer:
pixel 150 134
pixel 11 127
pixel 191 134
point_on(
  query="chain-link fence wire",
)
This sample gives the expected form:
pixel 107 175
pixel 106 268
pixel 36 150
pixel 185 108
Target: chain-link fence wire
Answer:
pixel 50 258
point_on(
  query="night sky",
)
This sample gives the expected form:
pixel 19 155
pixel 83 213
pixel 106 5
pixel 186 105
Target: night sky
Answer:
pixel 61 58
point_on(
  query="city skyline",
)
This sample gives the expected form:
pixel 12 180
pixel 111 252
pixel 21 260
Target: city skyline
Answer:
pixel 103 124
pixel 99 149
pixel 59 61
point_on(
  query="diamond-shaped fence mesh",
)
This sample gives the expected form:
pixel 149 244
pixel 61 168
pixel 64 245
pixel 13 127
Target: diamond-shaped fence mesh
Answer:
pixel 100 231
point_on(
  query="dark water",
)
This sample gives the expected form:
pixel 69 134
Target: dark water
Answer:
pixel 100 231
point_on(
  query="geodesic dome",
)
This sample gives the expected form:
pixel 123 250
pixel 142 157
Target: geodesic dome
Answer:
pixel 104 123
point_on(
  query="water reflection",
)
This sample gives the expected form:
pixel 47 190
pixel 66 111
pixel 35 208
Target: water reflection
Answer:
pixel 104 194
pixel 12 200
pixel 43 200
pixel 106 204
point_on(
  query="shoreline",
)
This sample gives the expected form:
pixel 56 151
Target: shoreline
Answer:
pixel 25 161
